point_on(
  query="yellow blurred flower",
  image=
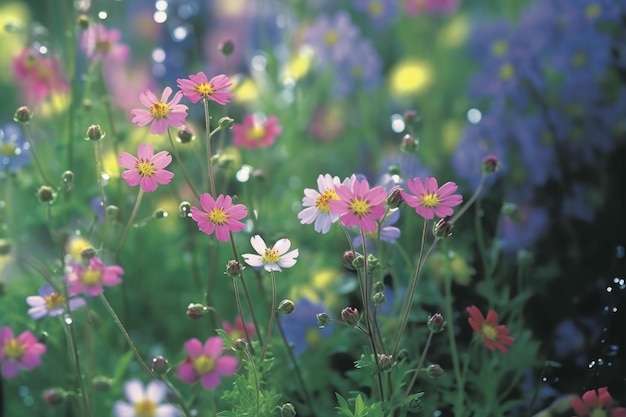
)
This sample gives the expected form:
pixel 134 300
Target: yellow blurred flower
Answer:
pixel 74 246
pixel 245 90
pixel 410 77
pixel 14 21
pixel 299 65
pixel 322 288
pixel 110 165
pixel 56 104
pixel 439 265
pixel 455 32
pixel 451 135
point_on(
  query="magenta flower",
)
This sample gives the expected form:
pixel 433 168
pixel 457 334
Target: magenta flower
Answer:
pixel 93 277
pixel 206 363
pixel 315 203
pixel 147 169
pixel 238 329
pixel 22 351
pixel 50 303
pixel 358 205
pixel 145 401
pixel 102 44
pixel 219 216
pixel 160 113
pixel 429 200
pixel 38 76
pixel 198 87
pixel 255 132
pixel 271 259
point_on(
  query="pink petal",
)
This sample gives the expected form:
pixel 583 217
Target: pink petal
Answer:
pixel 194 348
pixel 213 347
pixel 253 260
pixel 431 186
pixel 226 365
pixel 145 152
pixel 167 92
pixel 222 233
pixel 447 189
pixel 186 373
pixel 6 334
pixel 161 160
pixel 210 380
pixel 148 98
pixel 158 126
pixel 132 178
pixel 220 81
pixel 126 160
pixel 207 202
pixel 10 369
pixel 163 177
pixel 199 78
pixel 415 186
pixel 141 117
pixel 148 184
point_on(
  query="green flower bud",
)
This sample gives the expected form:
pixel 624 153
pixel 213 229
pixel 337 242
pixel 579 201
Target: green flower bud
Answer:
pixel 286 306
pixel 46 194
pixel 323 320
pixel 95 133
pixel 23 115
pixel 160 365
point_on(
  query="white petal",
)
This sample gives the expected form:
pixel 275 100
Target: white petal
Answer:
pixel 282 246
pixel 133 390
pixel 253 260
pixel 258 244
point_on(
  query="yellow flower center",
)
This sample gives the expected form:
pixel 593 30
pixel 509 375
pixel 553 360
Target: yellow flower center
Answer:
pixel 218 217
pixel 499 48
pixel 489 332
pixel 430 200
pixel 331 38
pixel 375 8
pixel 205 89
pixel 14 349
pixel 256 132
pixel 506 71
pixel 145 408
pixel 54 300
pixel 159 110
pixel 270 256
pixel 146 169
pixel 579 59
pixel 8 149
pixel 92 277
pixel 203 364
pixel 322 201
pixel 592 11
pixel 598 412
pixel 235 334
pixel 359 207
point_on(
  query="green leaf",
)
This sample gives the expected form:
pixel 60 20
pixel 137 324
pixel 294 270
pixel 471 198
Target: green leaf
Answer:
pixel 120 368
pixel 359 406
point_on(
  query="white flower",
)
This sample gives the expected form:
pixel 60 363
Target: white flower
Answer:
pixel 315 204
pixel 271 259
pixel 144 402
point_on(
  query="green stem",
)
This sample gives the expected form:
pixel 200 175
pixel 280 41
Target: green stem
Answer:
pixel 254 373
pixel 469 203
pixel 98 156
pixel 419 366
pixel 207 121
pixel 458 407
pixel 268 335
pixel 181 165
pixel 71 341
pixel 179 398
pixel 133 214
pixel 29 138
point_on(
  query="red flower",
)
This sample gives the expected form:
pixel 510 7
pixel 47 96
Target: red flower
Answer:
pixel 494 335
pixel 597 403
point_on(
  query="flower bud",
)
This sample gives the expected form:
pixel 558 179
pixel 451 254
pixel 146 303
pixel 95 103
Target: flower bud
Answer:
pixel 87 253
pixel 102 383
pixel 95 133
pixel 379 298
pixel 409 144
pixel 436 323
pixel 184 209
pixel 160 365
pixel 379 286
pixel 286 306
pixel 226 47
pixel 511 211
pixel 5 247
pixel 394 170
pixel 434 371
pixel 46 194
pixel 195 311
pixel 112 212
pixel 372 262
pixel 240 344
pixel 23 115
pixel 323 320
pixel 385 362
pixel 234 268
pixel 350 316
pixel 359 261
pixel 490 164
pixel 394 198
pixel 287 410
pixel 67 177
pixel 184 135
pixel 225 123
pixel 42 337
pixel 410 117
pixel 348 259
pixel 413 403
pixel 160 214
pixel 442 228
pixel 53 396
pixel 259 175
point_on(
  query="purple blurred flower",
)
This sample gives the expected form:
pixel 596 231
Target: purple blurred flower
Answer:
pixel 579 202
pixel 332 38
pixel 14 149
pixel 50 303
pixel 521 234
pixel 381 12
pixel 360 70
pixel 301 328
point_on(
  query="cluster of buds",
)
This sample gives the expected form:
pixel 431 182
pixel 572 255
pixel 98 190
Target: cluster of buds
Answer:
pixel 394 197
pixel 46 194
pixel 490 164
pixel 22 115
pixel 379 293
pixel 385 362
pixel 94 133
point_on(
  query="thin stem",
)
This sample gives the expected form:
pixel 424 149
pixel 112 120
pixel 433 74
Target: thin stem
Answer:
pixel 469 203
pixel 256 377
pixel 29 137
pixel 98 156
pixel 419 366
pixel 179 398
pixel 240 310
pixel 458 407
pixel 71 341
pixel 207 121
pixel 480 240
pixel 181 165
pixel 268 335
pixel 132 346
pixel 133 214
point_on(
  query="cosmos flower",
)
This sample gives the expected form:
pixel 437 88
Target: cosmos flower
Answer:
pixel 38 76
pixel 100 43
pixel 90 279
pixel 23 351
pixel 206 363
pixel 597 403
pixel 271 259
pixel 145 402
pixel 358 205
pixel 315 203
pixel 430 200
pixel 254 132
pixel 198 86
pixel 160 113
pixel 494 335
pixel 219 216
pixel 147 169
pixel 236 330
pixel 50 303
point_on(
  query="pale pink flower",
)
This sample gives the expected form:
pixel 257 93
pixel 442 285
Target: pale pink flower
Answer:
pixel 23 351
pixel 198 87
pixel 430 200
pixel 219 216
pixel 100 43
pixel 145 401
pixel 160 113
pixel 255 132
pixel 50 303
pixel 147 169
pixel 90 279
pixel 206 363
pixel 37 76
pixel 358 205
pixel 271 259
pixel 315 203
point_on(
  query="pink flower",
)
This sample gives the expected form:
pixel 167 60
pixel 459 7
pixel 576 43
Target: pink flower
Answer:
pixel 93 277
pixel 160 113
pixel 428 200
pixel 597 403
pixel 38 76
pixel 256 133
pixel 147 169
pixel 358 205
pixel 198 87
pixel 271 259
pixel 219 216
pixel 23 351
pixel 315 203
pixel 98 43
pixel 236 330
pixel 206 363
pixel 495 336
